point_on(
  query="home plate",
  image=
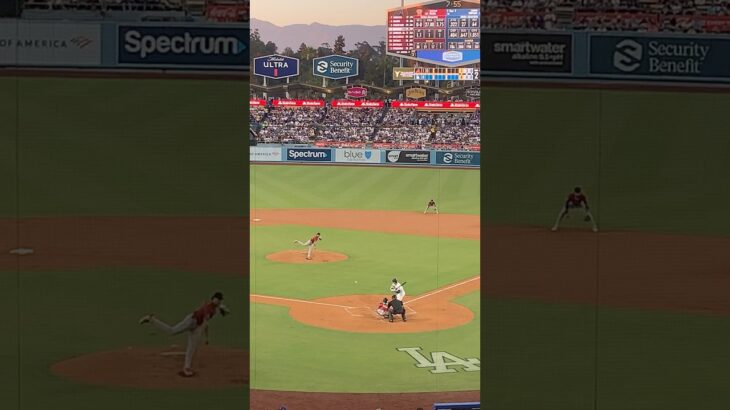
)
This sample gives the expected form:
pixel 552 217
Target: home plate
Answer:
pixel 257 220
pixel 22 251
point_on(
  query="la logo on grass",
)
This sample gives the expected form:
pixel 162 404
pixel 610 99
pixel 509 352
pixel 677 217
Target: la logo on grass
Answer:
pixel 441 361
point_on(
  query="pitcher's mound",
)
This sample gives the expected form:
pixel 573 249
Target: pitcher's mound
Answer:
pixel 157 368
pixel 298 256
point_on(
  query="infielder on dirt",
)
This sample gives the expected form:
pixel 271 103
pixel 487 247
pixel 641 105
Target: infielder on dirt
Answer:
pixel 576 199
pixel 429 205
pixel 196 324
pixel 398 290
pixel 311 243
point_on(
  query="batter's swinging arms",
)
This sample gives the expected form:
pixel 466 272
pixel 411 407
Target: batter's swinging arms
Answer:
pixel 311 243
pixel 196 324
pixel 399 292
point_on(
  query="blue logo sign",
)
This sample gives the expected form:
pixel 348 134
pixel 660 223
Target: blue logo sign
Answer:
pixel 309 154
pixel 276 66
pixel 183 46
pixel 684 57
pixel 460 158
pixel 335 67
pixel 450 57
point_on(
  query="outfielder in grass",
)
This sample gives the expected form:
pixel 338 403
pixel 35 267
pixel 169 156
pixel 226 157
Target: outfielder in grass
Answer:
pixel 576 200
pixel 310 244
pixel 195 323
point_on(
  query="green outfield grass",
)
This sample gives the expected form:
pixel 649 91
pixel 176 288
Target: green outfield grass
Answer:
pixel 66 314
pixel 649 161
pixel 114 146
pixel 337 361
pixel 402 189
pixel 331 361
pixel 541 355
pixel 637 154
pixel 374 258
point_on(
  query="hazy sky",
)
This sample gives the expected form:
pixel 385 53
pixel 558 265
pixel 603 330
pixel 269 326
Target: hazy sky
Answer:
pixel 332 12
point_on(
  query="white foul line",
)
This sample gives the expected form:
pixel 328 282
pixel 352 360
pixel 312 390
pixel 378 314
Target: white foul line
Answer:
pixel 443 289
pixel 301 301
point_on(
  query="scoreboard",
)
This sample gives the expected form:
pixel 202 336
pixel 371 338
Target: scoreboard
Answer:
pixel 435 34
pixel 435 73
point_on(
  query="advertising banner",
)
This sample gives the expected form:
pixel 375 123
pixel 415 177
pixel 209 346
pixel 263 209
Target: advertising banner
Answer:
pixel 459 158
pixel 309 154
pixel 226 12
pixel 367 156
pixel 335 67
pixel 270 154
pixel 358 103
pixel 182 46
pixel 415 93
pixel 675 57
pixel 30 43
pixel 403 73
pixel 530 53
pixel 257 103
pixel 357 92
pixel 436 104
pixel 408 157
pixel 298 103
pixel 276 66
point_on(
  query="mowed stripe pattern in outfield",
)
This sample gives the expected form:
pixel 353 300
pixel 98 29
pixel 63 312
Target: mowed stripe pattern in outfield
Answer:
pixel 369 188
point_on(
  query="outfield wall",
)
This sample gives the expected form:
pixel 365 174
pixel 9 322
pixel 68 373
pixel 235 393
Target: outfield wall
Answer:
pixel 200 47
pixel 355 156
pixel 615 56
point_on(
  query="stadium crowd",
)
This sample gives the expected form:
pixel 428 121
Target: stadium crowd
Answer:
pixel 214 10
pixel 684 16
pixel 358 127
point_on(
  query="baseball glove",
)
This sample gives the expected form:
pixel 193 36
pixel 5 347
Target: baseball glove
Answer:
pixel 587 218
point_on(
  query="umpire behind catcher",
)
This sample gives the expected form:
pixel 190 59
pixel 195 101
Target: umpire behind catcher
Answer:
pixel 395 307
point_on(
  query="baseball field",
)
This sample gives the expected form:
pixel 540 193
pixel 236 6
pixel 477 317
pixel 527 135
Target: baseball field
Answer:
pixel 637 315
pixel 130 193
pixel 316 340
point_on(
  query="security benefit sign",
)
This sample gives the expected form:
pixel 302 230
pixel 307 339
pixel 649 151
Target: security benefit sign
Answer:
pixel 276 66
pixel 528 53
pixel 408 157
pixel 335 67
pixel 183 46
pixel 458 158
pixel 660 57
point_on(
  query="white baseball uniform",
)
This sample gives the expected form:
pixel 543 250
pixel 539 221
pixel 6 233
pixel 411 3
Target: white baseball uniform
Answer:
pixel 399 290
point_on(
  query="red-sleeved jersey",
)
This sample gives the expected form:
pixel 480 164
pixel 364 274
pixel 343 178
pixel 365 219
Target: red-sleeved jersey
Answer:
pixel 314 239
pixel 205 312
pixel 577 199
pixel 382 306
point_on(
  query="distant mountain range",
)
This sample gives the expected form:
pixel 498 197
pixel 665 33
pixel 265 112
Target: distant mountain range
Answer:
pixel 315 34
